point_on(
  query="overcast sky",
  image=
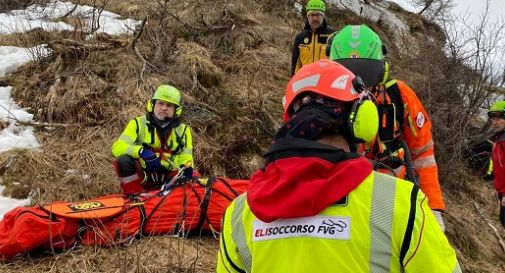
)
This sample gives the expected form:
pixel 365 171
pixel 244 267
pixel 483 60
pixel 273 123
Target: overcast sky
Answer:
pixel 468 15
pixel 474 8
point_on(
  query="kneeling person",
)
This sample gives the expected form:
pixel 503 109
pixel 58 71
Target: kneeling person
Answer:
pixel 153 147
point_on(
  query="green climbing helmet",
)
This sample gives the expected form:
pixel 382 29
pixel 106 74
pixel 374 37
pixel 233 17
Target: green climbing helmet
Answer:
pixel 356 42
pixel 359 49
pixel 497 109
pixel 318 5
pixel 168 93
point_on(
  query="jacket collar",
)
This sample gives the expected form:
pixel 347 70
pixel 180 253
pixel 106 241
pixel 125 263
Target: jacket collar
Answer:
pixel 303 177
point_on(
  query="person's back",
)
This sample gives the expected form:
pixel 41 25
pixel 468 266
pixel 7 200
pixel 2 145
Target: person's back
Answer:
pixel 317 206
pixel 357 235
pixel 404 146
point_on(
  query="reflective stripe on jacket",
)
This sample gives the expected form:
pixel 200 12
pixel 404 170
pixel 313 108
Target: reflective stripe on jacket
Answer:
pixel 384 225
pixel 416 130
pixel 177 151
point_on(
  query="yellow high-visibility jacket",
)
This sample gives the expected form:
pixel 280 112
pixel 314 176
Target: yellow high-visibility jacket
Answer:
pixel 177 151
pixel 384 225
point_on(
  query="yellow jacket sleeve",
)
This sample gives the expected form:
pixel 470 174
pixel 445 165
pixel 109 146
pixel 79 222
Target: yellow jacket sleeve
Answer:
pixel 125 144
pixel 490 167
pixel 429 248
pixel 228 259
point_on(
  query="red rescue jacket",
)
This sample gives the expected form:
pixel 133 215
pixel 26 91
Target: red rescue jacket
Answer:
pixel 499 163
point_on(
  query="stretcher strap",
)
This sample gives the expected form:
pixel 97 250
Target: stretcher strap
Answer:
pixel 204 204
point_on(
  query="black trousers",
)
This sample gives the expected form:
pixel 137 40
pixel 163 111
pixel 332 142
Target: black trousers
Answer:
pixel 127 166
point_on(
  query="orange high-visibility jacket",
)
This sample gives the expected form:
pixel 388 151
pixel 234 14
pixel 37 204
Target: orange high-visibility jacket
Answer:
pixel 417 133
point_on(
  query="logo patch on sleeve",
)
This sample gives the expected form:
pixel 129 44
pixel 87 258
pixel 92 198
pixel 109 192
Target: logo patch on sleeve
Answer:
pixel 326 227
pixel 420 120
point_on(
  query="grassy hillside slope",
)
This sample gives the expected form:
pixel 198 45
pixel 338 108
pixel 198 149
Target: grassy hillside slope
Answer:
pixel 231 59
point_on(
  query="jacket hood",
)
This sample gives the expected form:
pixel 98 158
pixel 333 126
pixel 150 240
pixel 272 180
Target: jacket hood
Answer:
pixel 303 177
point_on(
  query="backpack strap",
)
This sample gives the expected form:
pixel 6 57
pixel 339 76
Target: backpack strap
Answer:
pixel 393 92
pixel 179 136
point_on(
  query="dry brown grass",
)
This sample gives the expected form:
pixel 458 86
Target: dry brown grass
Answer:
pixel 231 61
pixel 149 255
pixel 8 5
pixel 28 39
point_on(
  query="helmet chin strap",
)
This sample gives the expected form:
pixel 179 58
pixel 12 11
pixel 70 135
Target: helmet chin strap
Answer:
pixel 165 122
pixel 385 75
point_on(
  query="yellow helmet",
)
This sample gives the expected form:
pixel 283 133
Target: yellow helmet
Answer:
pixel 166 93
pixel 318 5
pixel 497 109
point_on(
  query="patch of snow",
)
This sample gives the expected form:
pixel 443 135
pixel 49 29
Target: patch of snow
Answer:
pixel 11 57
pixel 13 136
pixel 298 7
pixel 375 12
pixel 378 12
pixel 38 16
pixel 7 204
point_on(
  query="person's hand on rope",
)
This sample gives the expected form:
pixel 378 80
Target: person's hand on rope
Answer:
pixel 188 171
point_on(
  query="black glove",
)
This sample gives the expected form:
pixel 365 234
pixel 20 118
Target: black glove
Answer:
pixel 188 172
pixel 153 163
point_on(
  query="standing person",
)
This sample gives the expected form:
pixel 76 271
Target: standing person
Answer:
pixel 317 206
pixel 310 44
pixel 404 143
pixel 153 147
pixel 497 116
